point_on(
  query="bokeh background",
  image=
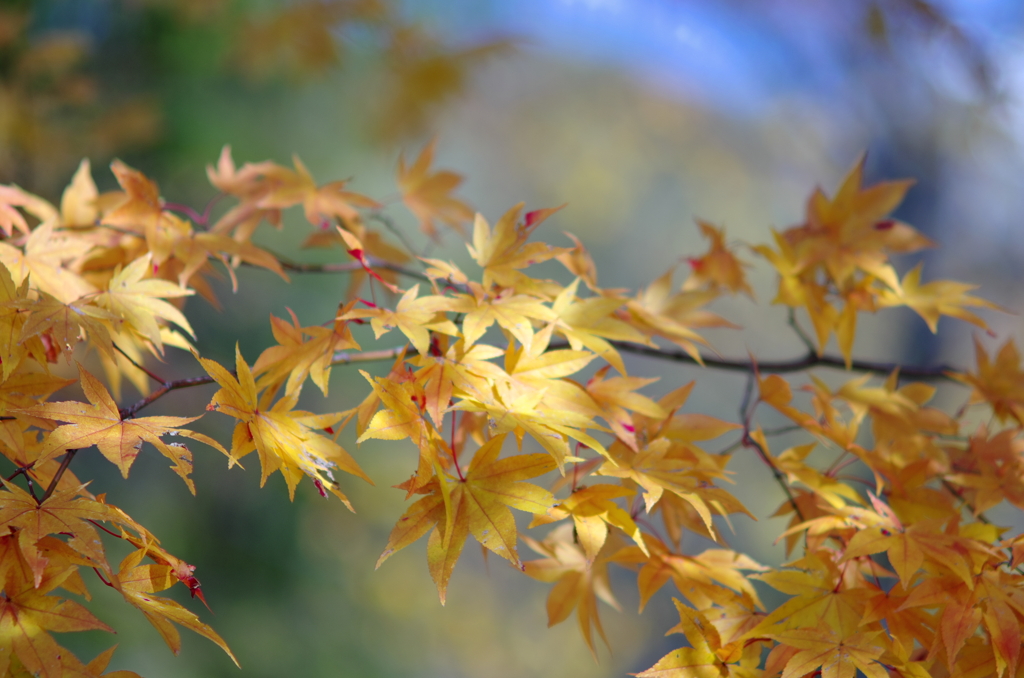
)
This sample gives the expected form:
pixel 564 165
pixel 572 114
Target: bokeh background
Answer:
pixel 641 114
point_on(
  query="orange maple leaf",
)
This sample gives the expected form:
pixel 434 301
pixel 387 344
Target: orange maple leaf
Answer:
pixel 578 584
pixel 323 203
pixel 999 383
pixel 299 357
pixel 719 268
pixel 836 656
pixel 428 194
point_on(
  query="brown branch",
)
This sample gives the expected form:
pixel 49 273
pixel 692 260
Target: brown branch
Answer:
pixel 387 222
pixel 152 375
pixel 349 267
pixel 167 387
pixel 807 361
pixel 747 415
pixel 784 366
pixel 64 463
pixel 344 358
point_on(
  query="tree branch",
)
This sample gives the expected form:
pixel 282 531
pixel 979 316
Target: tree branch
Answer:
pixel 807 361
pixel 784 366
pixel 64 463
pixel 348 267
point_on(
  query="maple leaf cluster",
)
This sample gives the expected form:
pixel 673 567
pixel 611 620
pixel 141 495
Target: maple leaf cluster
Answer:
pixel 517 405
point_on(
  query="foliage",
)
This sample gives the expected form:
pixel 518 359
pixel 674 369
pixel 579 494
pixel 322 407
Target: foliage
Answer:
pixel 898 572
pixel 100 79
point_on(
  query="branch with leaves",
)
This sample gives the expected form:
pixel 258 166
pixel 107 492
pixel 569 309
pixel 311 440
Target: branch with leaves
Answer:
pixel 512 394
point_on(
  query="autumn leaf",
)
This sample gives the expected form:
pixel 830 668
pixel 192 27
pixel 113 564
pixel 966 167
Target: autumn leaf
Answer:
pixel 659 467
pixel 78 203
pixel 283 437
pixel 26 616
pixel 719 268
pixel 834 655
pixel 706 655
pixel 615 395
pixel 512 409
pixel 818 597
pixel 501 252
pixel 139 301
pixel 512 312
pixel 299 357
pixel 44 261
pixel 577 584
pixel 137 583
pixel 999 382
pixel 119 440
pixel 594 323
pixel 320 203
pixel 476 502
pixel 712 576
pixel 593 510
pixel 414 317
pixel 428 194
pixel 936 299
pixel 68 323
pixel 63 512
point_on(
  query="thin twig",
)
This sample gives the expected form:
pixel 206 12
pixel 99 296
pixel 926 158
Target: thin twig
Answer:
pixel 344 358
pixel 799 331
pixel 18 471
pixel 129 412
pixel 64 463
pixel 148 373
pixel 348 267
pixel 184 209
pixel 748 393
pixel 749 441
pixel 386 221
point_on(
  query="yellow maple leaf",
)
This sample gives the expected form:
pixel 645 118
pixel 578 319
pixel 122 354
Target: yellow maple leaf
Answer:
pixel 936 299
pixel 45 262
pixel 415 317
pixel 26 614
pixel 139 301
pixel 504 250
pixel 119 440
pixel 64 512
pixel 299 357
pixel 476 502
pixel 283 437
pixel 137 583
pixel 593 510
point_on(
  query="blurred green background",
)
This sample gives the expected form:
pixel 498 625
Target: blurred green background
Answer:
pixel 641 114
